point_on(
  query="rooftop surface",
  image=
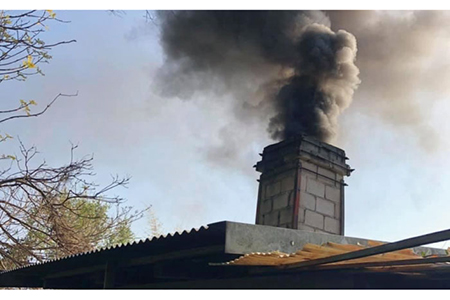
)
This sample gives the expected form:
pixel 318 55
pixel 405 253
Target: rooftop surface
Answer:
pixel 194 259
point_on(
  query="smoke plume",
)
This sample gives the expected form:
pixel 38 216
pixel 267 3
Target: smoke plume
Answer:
pixel 285 69
pixel 404 65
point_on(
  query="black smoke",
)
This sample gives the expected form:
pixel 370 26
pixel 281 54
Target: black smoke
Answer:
pixel 285 68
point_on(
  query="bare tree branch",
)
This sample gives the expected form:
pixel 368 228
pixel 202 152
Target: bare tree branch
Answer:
pixel 47 212
pixel 38 113
pixel 42 206
pixel 21 48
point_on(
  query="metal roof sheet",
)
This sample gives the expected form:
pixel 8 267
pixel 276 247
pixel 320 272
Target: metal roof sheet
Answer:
pixel 119 247
pixel 183 260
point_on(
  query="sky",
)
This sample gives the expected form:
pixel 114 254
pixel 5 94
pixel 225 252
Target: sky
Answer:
pixel 398 188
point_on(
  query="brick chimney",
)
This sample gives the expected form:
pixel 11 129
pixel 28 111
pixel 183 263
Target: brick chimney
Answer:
pixel 302 186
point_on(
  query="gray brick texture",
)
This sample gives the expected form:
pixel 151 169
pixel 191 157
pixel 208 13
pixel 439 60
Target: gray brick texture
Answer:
pixel 313 219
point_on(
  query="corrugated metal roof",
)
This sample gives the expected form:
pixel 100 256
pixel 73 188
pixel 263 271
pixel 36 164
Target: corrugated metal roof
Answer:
pixel 183 260
pixel 115 247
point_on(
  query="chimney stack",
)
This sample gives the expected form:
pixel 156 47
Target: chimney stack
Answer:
pixel 302 186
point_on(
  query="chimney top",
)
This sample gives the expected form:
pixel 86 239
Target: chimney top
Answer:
pixel 307 148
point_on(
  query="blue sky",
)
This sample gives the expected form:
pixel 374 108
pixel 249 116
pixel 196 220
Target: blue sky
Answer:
pixel 399 188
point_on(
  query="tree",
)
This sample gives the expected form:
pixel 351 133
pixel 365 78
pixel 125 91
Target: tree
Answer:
pixel 83 227
pixel 48 212
pixel 21 48
pixel 155 228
